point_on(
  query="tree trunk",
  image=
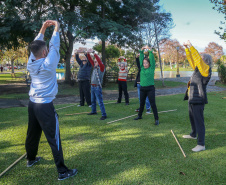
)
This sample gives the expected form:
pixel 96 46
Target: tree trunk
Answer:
pixel 68 58
pixel 103 52
pixel 12 65
pixel 103 48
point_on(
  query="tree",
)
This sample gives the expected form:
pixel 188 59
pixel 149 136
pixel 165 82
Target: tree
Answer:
pixel 112 52
pixel 118 21
pixel 215 50
pixel 11 55
pixel 169 51
pixel 23 20
pixel 223 59
pixel 220 6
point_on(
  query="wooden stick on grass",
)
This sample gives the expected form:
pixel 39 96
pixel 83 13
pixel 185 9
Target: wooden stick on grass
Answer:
pixel 7 169
pixel 136 114
pixel 66 106
pixel 78 113
pixel 178 144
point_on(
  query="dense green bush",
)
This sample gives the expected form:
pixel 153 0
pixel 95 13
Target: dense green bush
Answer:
pixel 222 72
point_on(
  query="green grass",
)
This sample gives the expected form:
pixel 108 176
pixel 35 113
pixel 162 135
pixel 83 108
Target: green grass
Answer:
pixel 68 90
pixel 158 85
pixel 188 68
pixel 125 152
pixel 220 84
pixel 7 78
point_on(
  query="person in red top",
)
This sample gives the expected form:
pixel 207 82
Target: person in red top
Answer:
pixel 96 84
pixel 122 80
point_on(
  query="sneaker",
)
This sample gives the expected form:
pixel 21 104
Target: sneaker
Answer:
pixel 148 111
pixel 198 148
pixel 31 163
pixel 79 105
pixel 90 105
pixel 156 122
pixel 126 103
pixel 189 137
pixel 137 110
pixel 137 118
pixel 67 174
pixel 92 113
pixel 103 117
pixel 118 102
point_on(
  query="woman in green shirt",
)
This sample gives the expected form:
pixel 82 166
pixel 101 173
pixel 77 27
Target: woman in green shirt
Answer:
pixel 147 83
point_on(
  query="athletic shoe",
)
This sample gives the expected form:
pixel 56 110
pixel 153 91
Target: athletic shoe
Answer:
pixel 103 117
pixel 137 118
pixel 198 148
pixel 31 163
pixel 67 174
pixel 92 113
pixel 189 137
pixel 118 102
pixel 156 122
pixel 126 103
pixel 79 105
pixel 90 105
pixel 148 111
pixel 137 110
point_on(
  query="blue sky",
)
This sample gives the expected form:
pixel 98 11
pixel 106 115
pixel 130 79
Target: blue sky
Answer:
pixel 194 20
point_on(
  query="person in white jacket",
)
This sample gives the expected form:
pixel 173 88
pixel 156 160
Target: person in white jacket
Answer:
pixel 42 115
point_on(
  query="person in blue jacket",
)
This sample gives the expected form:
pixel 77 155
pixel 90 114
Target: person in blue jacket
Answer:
pixel 84 74
pixel 42 115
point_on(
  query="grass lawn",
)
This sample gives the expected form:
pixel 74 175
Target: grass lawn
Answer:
pixel 220 84
pixel 124 152
pixel 188 68
pixel 68 90
pixel 7 78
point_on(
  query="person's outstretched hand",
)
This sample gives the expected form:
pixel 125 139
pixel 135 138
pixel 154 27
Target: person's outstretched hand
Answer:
pixel 187 44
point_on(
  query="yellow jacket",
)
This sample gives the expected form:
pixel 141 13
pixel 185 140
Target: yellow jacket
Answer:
pixel 195 60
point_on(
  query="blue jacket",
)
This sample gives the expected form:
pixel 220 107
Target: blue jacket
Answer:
pixel 84 70
pixel 44 86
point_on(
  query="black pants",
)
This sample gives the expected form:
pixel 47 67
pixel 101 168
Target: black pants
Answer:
pixel 122 86
pixel 149 92
pixel 42 116
pixel 197 122
pixel 84 91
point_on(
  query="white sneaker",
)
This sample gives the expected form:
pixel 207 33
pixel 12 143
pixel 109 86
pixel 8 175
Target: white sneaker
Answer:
pixel 78 105
pixel 189 137
pixel 90 105
pixel 198 148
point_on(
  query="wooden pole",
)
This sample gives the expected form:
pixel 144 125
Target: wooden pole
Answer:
pixel 178 144
pixel 66 106
pixel 7 169
pixel 136 114
pixel 78 113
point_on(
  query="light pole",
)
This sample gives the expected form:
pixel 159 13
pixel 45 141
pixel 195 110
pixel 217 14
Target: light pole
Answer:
pixel 178 74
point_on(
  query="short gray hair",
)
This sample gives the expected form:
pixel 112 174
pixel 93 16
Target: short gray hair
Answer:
pixel 207 59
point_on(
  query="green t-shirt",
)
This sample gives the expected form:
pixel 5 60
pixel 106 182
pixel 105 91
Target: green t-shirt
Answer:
pixel 147 75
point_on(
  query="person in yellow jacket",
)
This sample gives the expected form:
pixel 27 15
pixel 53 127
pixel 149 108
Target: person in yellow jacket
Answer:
pixel 196 93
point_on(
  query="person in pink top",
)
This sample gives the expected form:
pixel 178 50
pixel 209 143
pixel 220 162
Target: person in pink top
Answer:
pixel 122 80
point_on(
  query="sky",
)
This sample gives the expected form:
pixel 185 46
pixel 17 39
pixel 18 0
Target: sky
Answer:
pixel 194 20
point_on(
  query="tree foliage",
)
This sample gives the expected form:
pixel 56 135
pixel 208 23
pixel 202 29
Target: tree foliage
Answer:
pixel 116 21
pixel 215 50
pixel 220 6
pixel 168 50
